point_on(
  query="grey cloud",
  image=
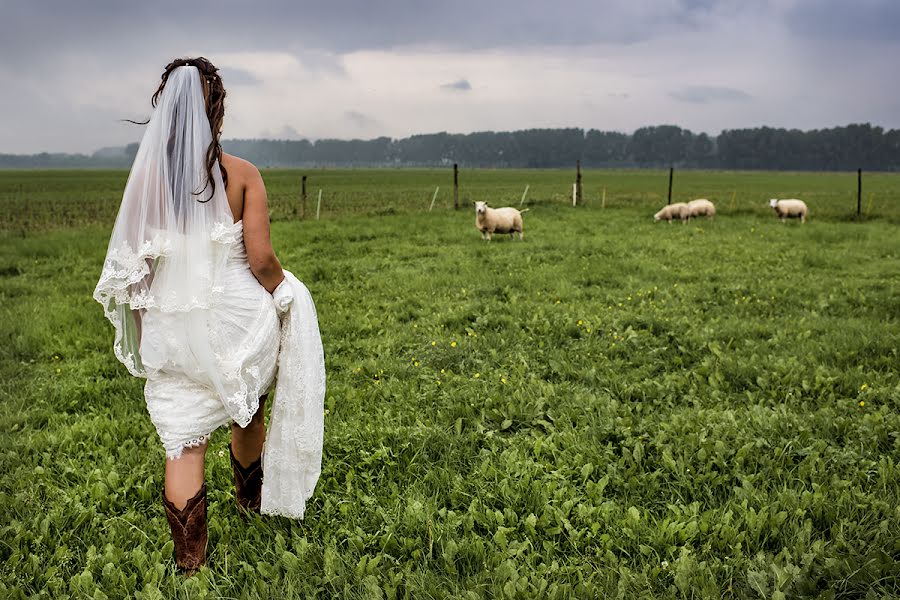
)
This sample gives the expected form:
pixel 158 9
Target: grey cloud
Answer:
pixel 360 120
pixel 705 94
pixel 69 48
pixel 322 62
pixel 34 125
pixel 836 20
pixel 232 76
pixel 40 31
pixel 287 132
pixel 461 85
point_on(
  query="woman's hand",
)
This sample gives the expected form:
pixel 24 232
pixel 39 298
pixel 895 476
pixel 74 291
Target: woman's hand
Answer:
pixel 283 296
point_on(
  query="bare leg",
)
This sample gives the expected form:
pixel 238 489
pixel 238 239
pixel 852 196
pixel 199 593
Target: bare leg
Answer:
pixel 184 475
pixel 247 442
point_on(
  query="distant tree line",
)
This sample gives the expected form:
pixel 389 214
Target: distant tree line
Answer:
pixel 839 148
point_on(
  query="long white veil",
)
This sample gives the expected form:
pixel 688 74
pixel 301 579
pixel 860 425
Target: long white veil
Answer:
pixel 168 248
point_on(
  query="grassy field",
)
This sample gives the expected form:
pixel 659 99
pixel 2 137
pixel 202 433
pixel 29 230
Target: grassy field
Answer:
pixel 43 200
pixel 611 408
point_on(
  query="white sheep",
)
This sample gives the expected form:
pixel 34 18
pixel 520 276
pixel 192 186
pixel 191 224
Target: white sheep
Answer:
pixel 702 207
pixel 677 210
pixel 790 209
pixel 498 220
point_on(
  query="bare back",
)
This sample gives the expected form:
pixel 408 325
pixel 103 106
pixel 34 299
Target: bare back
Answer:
pixel 247 197
pixel 237 183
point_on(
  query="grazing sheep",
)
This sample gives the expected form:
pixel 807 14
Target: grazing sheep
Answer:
pixel 677 210
pixel 790 209
pixel 702 207
pixel 498 220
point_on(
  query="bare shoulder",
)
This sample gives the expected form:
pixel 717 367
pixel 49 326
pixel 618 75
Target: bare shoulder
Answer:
pixel 239 168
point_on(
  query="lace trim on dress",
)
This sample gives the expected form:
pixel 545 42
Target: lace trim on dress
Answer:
pixel 192 443
pixel 125 266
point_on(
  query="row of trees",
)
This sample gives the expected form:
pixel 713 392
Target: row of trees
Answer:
pixel 838 148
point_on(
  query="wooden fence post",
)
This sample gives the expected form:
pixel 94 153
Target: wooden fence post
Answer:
pixel 303 198
pixel 455 186
pixel 858 193
pixel 671 173
pixel 578 190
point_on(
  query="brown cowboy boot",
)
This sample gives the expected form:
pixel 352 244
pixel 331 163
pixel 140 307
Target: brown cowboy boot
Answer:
pixel 189 531
pixel 247 484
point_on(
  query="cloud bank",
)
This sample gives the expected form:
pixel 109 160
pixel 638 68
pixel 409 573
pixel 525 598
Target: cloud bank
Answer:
pixel 355 68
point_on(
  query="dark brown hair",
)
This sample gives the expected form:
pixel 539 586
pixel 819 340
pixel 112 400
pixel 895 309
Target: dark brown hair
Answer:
pixel 214 94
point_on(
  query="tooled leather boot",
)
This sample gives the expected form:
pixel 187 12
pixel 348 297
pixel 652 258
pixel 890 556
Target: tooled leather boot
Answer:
pixel 247 485
pixel 189 531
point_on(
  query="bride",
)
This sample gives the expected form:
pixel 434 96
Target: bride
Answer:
pixel 204 311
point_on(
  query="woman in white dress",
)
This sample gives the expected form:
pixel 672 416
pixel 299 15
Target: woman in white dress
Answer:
pixel 188 283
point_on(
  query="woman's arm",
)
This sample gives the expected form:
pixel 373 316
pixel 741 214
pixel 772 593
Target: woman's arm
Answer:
pixel 263 262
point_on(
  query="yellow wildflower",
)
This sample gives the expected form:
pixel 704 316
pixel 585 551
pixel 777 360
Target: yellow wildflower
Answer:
pixel 863 387
pixel 453 344
pixel 862 402
pixel 477 375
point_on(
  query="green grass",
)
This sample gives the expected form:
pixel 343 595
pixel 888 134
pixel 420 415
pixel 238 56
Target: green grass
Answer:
pixel 612 408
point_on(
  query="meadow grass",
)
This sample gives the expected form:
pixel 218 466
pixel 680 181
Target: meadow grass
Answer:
pixel 611 408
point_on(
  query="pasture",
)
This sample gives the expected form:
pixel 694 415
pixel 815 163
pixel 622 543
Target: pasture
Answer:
pixel 613 408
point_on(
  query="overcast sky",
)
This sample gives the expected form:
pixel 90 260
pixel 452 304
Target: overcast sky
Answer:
pixel 366 68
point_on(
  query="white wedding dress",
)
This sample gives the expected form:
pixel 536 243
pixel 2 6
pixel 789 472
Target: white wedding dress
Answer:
pixel 251 346
pixel 243 332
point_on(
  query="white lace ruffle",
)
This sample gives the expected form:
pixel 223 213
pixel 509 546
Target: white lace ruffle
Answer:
pixel 125 267
pixel 192 443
